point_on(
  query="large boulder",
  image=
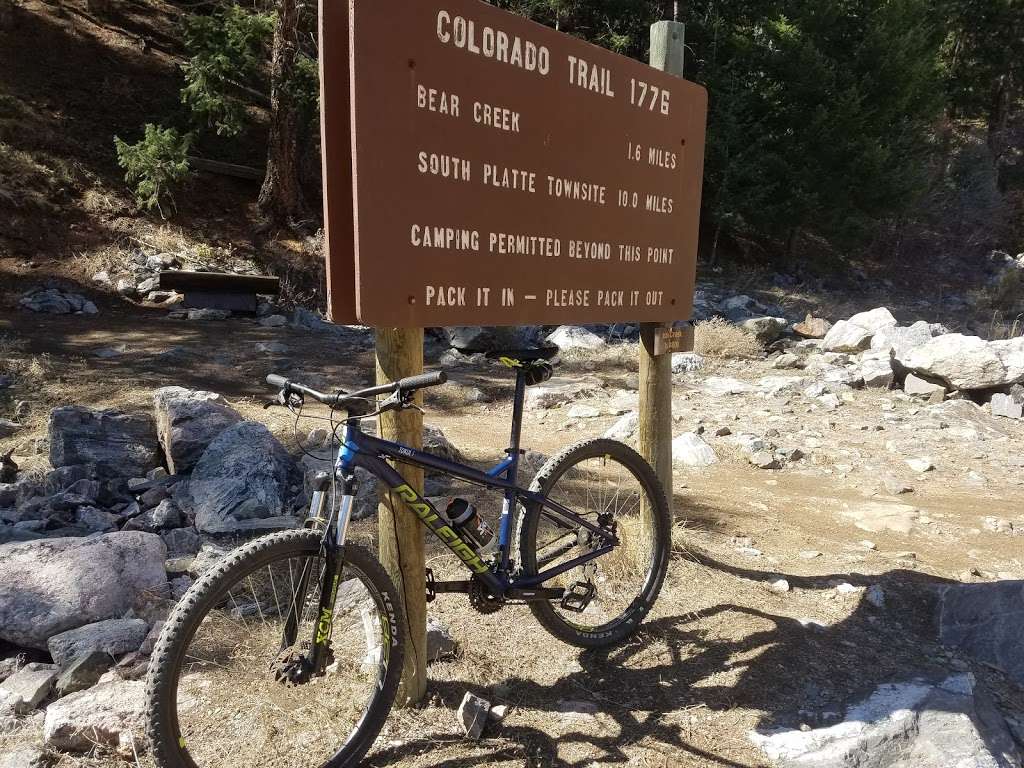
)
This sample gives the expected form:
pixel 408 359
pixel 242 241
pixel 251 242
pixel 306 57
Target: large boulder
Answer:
pixel 876 369
pixel 116 444
pixel 901 339
pixel 575 337
pixel 903 725
pixel 244 479
pixel 113 637
pixel 1009 406
pixel 24 755
pixel 967 362
pixel 28 687
pixel 109 715
pixel 187 421
pixel 918 387
pixel 52 585
pixel 436 443
pixel 690 450
pixel 855 334
pixel 559 391
pixel 844 336
pixel 985 621
pixel 812 327
pixel 476 338
pixel 766 329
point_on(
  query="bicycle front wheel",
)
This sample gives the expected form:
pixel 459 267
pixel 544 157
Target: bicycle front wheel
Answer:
pixel 610 485
pixel 226 685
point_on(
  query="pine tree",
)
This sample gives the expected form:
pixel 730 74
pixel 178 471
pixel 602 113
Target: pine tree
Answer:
pixel 281 197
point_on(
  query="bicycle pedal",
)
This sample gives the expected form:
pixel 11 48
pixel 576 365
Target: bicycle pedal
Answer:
pixel 431 590
pixel 578 596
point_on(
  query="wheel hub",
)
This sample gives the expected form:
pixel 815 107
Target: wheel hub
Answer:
pixel 294 666
pixel 482 600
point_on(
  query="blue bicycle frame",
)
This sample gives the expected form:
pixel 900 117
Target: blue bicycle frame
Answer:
pixel 360 450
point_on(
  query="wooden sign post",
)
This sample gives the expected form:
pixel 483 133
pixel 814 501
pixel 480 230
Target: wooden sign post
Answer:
pixel 654 431
pixel 481 169
pixel 400 354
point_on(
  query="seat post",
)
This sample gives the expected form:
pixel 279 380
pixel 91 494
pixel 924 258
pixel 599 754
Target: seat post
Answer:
pixel 517 423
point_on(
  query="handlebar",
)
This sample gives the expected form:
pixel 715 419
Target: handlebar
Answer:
pixel 402 386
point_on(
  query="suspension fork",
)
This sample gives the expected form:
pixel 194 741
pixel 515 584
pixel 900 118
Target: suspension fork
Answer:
pixel 334 546
pixel 335 530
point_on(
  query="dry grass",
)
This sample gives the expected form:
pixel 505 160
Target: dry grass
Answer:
pixel 718 338
pixel 1002 327
pixel 101 201
pixel 25 367
pixel 1003 302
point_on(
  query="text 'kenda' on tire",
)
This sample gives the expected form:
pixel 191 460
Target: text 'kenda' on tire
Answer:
pixel 226 685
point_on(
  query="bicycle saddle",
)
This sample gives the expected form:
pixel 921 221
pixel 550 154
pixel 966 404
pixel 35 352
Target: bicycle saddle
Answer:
pixel 524 355
pixel 535 363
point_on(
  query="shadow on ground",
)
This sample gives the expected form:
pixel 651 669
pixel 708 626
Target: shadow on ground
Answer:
pixel 791 673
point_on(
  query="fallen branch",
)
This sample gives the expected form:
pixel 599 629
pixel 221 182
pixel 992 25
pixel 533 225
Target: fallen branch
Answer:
pixel 227 169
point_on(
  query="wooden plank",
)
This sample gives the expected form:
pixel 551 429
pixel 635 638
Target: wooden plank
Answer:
pixel 219 282
pixel 227 169
pixel 233 302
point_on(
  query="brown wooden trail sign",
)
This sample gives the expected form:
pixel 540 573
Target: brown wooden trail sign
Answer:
pixel 503 173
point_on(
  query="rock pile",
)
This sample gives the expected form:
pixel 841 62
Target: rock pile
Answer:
pixel 52 300
pixel 141 280
pixel 93 552
pixel 228 476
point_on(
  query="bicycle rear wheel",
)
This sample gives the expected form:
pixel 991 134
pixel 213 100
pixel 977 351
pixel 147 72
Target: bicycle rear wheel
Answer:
pixel 609 484
pixel 224 686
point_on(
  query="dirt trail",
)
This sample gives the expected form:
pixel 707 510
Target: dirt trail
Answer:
pixel 723 653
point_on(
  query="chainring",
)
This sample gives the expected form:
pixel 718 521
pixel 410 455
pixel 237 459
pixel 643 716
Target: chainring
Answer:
pixel 482 600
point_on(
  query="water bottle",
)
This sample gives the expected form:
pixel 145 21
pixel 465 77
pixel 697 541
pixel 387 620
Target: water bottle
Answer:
pixel 467 521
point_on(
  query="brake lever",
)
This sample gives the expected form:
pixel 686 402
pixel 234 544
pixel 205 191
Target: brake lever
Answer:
pixel 405 402
pixel 291 400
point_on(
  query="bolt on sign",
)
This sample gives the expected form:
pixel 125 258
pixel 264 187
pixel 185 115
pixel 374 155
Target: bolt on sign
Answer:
pixel 503 173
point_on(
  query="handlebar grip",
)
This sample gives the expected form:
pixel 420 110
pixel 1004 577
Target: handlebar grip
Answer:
pixel 278 382
pixel 423 381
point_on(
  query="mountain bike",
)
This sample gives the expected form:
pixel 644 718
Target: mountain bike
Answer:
pixel 289 651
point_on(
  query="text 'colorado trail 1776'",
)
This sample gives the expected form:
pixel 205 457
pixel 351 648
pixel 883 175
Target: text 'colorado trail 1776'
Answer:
pixel 504 173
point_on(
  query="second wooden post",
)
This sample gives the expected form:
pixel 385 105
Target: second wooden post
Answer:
pixel 654 435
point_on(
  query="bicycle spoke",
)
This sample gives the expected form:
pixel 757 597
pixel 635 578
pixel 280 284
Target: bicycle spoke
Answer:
pixel 233 710
pixel 598 489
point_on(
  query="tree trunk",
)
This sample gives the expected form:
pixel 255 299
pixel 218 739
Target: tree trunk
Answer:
pixel 281 199
pixel 997 120
pixel 714 244
pixel 791 244
pixel 7 17
pixel 98 6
